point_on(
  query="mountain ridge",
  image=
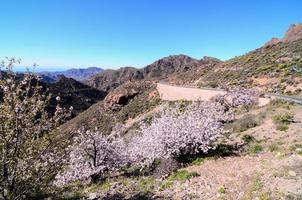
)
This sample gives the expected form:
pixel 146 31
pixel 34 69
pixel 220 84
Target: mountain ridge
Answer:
pixel 78 74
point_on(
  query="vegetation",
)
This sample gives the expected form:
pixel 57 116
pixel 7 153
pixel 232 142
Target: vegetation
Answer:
pixel 246 122
pixel 283 120
pixel 255 148
pixel 182 175
pixel 31 149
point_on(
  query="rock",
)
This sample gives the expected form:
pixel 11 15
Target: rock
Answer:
pixel 93 196
pixel 123 94
pixel 292 173
pixel 293 33
pixel 273 41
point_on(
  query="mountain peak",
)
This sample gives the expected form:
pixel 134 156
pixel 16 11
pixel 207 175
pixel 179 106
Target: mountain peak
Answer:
pixel 209 59
pixel 293 33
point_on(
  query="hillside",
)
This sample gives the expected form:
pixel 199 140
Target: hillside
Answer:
pixel 73 93
pixel 167 68
pixel 110 79
pixel 123 103
pixel 276 67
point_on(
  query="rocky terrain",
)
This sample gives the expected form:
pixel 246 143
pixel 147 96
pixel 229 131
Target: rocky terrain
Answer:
pixel 73 93
pixel 259 157
pixel 276 67
pixel 123 103
pixel 256 160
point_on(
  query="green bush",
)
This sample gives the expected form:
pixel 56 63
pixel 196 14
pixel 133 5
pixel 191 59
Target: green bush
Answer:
pixel 273 147
pixel 248 139
pixel 283 120
pixel 281 127
pixel 278 103
pixel 182 175
pixel 255 148
pixel 246 122
pixel 198 161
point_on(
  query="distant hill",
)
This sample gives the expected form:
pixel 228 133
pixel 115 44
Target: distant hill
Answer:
pixel 77 74
pixel 71 92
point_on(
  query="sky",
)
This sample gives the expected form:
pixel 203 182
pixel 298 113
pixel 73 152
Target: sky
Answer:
pixel 59 34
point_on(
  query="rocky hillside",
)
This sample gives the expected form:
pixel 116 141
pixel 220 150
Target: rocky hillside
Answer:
pixel 168 68
pixel 293 33
pixel 121 105
pixel 273 68
pixel 110 79
pixel 73 93
pixel 276 67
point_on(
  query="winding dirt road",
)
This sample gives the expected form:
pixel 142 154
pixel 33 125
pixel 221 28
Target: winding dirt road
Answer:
pixel 173 93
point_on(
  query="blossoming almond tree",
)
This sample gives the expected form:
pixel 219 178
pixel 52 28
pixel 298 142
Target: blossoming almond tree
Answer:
pixel 177 132
pixel 31 149
pixel 91 155
pixel 174 132
pixel 239 97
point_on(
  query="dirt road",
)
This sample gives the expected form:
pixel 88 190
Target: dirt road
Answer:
pixel 173 93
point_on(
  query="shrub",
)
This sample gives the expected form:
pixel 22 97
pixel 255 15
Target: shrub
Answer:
pixel 255 148
pixel 273 147
pixel 280 103
pixel 248 139
pixel 246 122
pixel 283 120
pixel 198 161
pixel 282 127
pixel 222 190
pixel 182 175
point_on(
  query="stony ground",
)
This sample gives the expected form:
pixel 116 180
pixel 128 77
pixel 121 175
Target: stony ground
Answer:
pixel 274 171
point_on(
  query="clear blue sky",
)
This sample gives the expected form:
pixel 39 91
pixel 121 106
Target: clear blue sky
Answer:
pixel 115 33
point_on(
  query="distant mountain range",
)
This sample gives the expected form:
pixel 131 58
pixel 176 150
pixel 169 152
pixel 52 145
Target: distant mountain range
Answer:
pixel 77 74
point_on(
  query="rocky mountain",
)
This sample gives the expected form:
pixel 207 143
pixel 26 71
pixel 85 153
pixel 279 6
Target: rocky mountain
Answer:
pixel 293 33
pixel 110 79
pixel 77 74
pixel 167 68
pixel 272 68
